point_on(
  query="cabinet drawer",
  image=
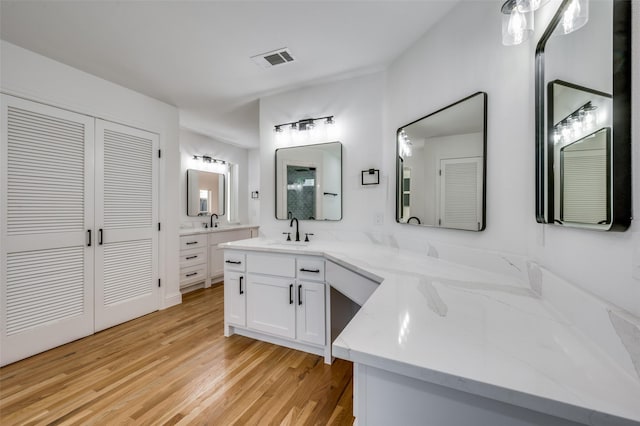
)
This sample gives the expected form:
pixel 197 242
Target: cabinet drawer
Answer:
pixel 283 266
pixel 310 268
pixel 193 257
pixel 193 274
pixel 188 242
pixel 234 261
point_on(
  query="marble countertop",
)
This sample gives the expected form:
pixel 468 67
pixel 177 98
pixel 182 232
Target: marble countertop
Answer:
pixel 475 331
pixel 194 231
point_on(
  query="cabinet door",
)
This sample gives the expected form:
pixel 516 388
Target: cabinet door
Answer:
pixel 127 224
pixel 310 312
pixel 216 262
pixel 235 292
pixel 271 305
pixel 46 199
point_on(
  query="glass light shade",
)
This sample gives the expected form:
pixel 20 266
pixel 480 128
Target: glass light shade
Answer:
pixel 530 5
pixel 575 16
pixel 517 27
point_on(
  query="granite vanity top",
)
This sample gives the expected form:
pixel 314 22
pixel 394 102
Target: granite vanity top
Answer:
pixel 475 331
pixel 222 228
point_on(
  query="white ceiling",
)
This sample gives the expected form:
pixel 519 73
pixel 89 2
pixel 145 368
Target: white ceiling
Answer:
pixel 195 54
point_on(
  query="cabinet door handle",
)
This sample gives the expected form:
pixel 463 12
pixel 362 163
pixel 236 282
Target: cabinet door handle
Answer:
pixel 100 236
pixel 241 291
pixel 315 271
pixel 89 232
pixel 299 294
pixel 192 274
pixel 291 294
pixel 235 262
pixel 191 257
pixel 191 242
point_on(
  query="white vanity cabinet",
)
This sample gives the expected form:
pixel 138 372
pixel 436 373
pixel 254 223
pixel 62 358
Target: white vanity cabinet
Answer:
pixel 216 254
pixel 193 260
pixel 201 260
pixel 284 298
pixel 235 286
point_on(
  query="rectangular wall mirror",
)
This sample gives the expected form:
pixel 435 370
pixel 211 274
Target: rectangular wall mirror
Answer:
pixel 583 134
pixel 309 182
pixel 441 167
pixel 205 193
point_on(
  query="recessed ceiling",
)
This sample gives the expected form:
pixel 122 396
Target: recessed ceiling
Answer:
pixel 196 55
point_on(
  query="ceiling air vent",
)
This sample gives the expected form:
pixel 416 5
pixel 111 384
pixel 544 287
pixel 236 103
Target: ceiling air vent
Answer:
pixel 273 58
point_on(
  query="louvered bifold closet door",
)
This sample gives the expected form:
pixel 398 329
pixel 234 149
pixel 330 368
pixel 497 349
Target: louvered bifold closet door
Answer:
pixel 126 223
pixel 461 193
pixel 46 276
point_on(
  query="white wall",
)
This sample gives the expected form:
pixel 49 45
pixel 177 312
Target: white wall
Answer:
pixel 461 55
pixel 191 144
pixel 254 185
pixel 464 54
pixel 32 76
pixel 357 105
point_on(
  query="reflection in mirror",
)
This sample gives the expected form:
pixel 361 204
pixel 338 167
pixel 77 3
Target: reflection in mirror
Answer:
pixel 581 128
pixel 309 182
pixel 441 161
pixel 583 163
pixel 205 193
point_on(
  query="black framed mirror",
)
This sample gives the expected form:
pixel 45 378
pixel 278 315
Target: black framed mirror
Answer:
pixel 205 193
pixel 309 182
pixel 441 167
pixel 583 119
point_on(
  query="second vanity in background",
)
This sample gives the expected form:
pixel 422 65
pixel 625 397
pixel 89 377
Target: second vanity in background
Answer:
pixel 201 261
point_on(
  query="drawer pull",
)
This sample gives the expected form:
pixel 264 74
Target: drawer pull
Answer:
pixel 235 262
pixel 299 294
pixel 192 257
pixel 191 242
pixel 291 294
pixel 241 291
pixel 315 271
pixel 192 274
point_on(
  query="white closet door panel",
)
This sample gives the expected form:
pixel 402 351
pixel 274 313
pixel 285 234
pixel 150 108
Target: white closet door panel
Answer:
pixel 128 180
pixel 46 205
pixel 461 193
pixel 46 171
pixel 126 211
pixel 584 186
pixel 44 286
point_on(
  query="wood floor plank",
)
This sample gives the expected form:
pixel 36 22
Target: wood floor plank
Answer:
pixel 175 367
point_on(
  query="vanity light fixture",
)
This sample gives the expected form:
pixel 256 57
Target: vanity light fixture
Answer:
pixel 518 18
pixel 517 22
pixel 404 144
pixel 208 159
pixel 575 16
pixel 304 124
pixel 577 124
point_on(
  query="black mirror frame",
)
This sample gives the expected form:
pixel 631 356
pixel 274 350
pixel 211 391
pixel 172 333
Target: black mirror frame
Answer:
pixel 224 194
pixel 484 162
pixel 275 180
pixel 621 121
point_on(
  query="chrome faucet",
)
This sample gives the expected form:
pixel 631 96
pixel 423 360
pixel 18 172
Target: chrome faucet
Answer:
pixel 212 224
pixel 297 231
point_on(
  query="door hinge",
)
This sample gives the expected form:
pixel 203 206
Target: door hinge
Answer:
pixel 158 226
pixel 159 153
pixel 159 282
pixel 439 222
pixel 440 172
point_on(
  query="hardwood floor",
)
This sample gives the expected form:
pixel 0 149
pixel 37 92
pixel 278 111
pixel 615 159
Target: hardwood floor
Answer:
pixel 175 367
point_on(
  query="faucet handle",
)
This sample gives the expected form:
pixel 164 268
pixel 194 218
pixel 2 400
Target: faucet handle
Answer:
pixel 306 236
pixel 288 235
